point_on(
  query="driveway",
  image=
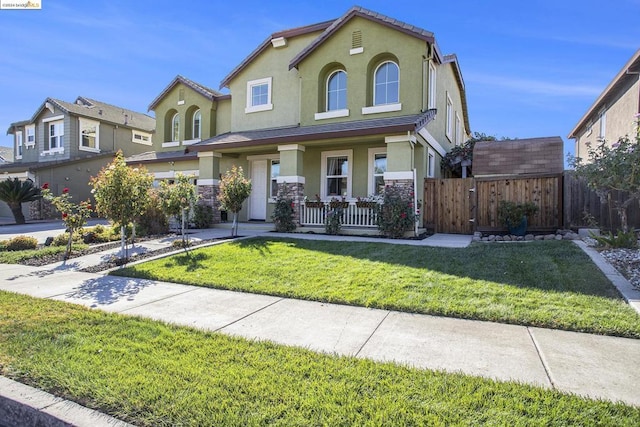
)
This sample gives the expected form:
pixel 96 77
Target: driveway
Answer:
pixel 38 229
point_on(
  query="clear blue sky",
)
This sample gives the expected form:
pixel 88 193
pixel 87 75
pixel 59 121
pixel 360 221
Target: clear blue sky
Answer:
pixel 531 68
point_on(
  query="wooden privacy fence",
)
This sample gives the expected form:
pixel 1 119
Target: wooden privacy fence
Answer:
pixel 471 204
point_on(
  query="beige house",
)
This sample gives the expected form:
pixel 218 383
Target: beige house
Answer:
pixel 614 114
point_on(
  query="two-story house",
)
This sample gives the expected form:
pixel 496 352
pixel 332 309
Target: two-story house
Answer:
pixel 335 109
pixel 614 114
pixel 66 143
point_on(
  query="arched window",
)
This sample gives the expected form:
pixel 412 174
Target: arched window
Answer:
pixel 337 91
pixel 386 86
pixel 175 127
pixel 197 119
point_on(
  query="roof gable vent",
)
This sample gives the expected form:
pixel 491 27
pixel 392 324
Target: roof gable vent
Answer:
pixel 356 43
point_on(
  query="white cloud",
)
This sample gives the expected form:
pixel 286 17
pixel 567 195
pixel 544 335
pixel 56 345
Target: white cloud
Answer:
pixel 534 87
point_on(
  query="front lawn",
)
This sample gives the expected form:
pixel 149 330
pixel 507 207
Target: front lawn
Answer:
pixel 153 374
pixel 546 284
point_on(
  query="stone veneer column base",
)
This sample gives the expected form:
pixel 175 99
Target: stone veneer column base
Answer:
pixel 295 192
pixel 209 196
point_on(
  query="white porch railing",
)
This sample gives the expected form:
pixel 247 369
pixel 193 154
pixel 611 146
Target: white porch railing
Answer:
pixel 352 216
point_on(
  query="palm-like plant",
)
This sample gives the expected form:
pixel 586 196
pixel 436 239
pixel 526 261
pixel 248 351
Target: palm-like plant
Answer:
pixel 15 192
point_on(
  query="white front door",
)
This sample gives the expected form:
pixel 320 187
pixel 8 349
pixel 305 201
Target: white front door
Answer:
pixel 258 198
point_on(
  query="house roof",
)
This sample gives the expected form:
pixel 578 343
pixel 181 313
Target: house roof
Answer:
pixel 208 93
pixel 14 125
pixel 361 12
pixel 294 134
pixel 630 71
pixel 293 32
pixel 453 60
pixel 33 166
pixel 161 156
pixel 87 107
pixel 531 156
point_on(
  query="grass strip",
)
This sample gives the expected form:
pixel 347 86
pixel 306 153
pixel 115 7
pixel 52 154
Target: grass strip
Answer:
pixel 153 374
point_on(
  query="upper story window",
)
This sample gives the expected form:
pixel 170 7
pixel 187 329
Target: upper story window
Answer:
pixel 140 137
pixel 55 135
pixel 337 91
pixel 89 135
pixel 602 116
pixel 259 95
pixel 386 84
pixel 19 144
pixel 432 85
pixel 175 127
pixel 196 128
pixel 449 118
pixel 458 130
pixel 31 134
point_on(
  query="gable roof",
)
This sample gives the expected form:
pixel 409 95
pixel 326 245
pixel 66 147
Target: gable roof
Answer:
pixel 208 93
pixel 366 14
pixel 15 125
pixel 630 71
pixel 292 134
pixel 293 32
pixel 453 60
pixel 87 107
pixel 160 157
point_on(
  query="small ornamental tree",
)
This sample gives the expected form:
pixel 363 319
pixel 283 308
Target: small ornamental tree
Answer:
pixel 15 192
pixel 234 190
pixel 74 215
pixel 611 168
pixel 121 193
pixel 178 199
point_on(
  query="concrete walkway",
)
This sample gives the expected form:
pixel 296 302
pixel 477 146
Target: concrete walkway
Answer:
pixel 590 365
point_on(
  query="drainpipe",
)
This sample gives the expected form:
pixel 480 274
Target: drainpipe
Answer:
pixel 416 209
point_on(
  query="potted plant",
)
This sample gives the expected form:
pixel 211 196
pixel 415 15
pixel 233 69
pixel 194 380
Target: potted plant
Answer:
pixel 365 202
pixel 317 203
pixel 338 203
pixel 514 215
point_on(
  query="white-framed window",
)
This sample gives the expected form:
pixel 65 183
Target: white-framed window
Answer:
pixel 140 137
pixel 386 84
pixel 197 125
pixel 31 135
pixel 19 142
pixel 175 127
pixel 89 131
pixel 602 116
pixel 449 118
pixel 432 85
pixel 377 168
pixel 259 95
pixel 431 163
pixel 458 130
pixel 275 173
pixel 336 174
pixel 337 91
pixel 55 135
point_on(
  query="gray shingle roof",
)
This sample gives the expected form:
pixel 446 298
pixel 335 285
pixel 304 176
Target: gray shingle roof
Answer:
pixel 160 156
pixel 412 122
pixel 205 91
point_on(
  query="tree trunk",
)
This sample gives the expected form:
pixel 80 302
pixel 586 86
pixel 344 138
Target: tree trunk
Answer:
pixel 69 243
pixel 122 241
pixel 16 210
pixel 184 220
pixel 234 226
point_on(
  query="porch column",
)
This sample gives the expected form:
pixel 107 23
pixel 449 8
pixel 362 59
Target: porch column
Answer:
pixel 291 180
pixel 400 160
pixel 209 181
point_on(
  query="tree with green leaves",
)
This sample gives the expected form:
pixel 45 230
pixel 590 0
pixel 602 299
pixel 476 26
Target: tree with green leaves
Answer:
pixel 74 215
pixel 15 192
pixel 610 168
pixel 178 199
pixel 234 190
pixel 121 193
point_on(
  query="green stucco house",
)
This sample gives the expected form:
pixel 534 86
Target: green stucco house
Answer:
pixel 337 109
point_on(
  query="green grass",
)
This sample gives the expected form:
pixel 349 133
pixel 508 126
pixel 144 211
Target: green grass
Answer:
pixel 154 374
pixel 16 257
pixel 546 284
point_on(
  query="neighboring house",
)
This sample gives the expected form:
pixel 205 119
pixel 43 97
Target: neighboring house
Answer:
pixel 6 155
pixel 65 143
pixel 338 109
pixel 614 113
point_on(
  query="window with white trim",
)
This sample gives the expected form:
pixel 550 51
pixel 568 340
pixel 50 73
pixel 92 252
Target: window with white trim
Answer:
pixel 377 168
pixel 386 85
pixel 89 135
pixel 275 173
pixel 19 144
pixel 259 95
pixel 197 120
pixel 458 130
pixel 175 127
pixel 432 85
pixel 140 137
pixel 431 163
pixel 449 118
pixel 603 123
pixel 336 174
pixel 54 136
pixel 337 91
pixel 31 135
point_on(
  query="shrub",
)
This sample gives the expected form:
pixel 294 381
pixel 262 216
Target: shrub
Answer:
pixel 627 240
pixel 202 216
pixel 22 243
pixel 333 221
pixel 396 214
pixel 283 215
pixel 153 221
pixel 510 213
pixel 3 245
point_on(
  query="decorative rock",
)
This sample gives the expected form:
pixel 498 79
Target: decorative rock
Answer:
pixel 476 238
pixel 499 238
pixel 520 238
pixel 539 237
pixel 492 237
pixel 477 234
pixel 507 238
pixel 485 239
pixel 528 237
pixel 549 236
pixel 558 237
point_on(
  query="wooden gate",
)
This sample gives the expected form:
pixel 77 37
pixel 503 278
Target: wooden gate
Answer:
pixel 449 205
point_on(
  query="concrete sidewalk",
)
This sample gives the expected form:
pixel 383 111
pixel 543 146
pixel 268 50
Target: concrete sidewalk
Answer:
pixel 590 365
